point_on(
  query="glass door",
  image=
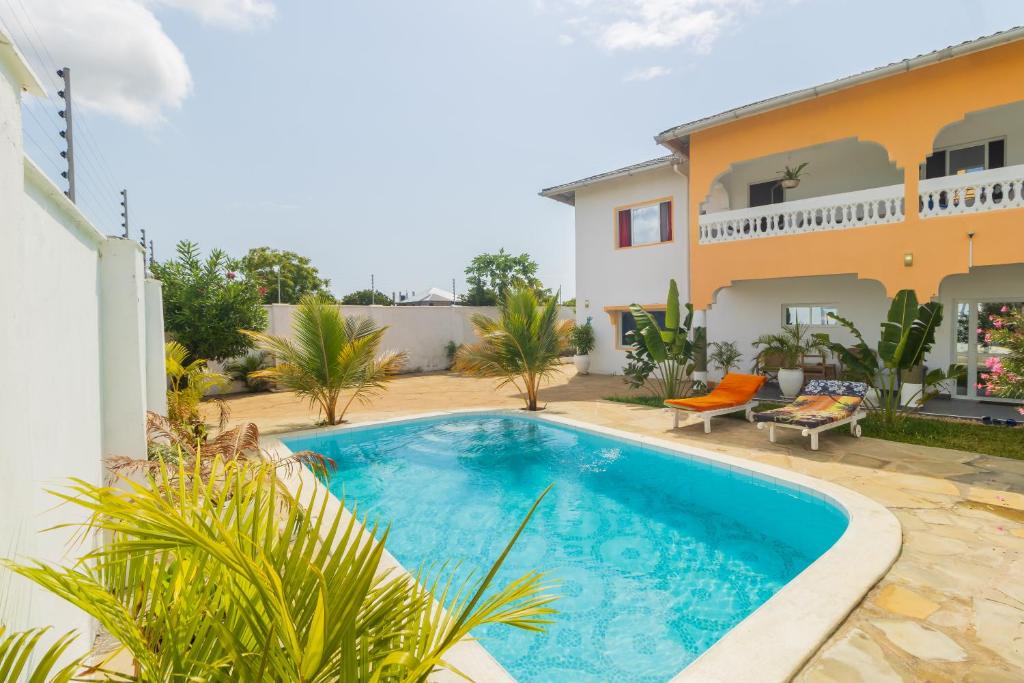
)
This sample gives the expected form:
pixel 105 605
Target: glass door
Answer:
pixel 974 346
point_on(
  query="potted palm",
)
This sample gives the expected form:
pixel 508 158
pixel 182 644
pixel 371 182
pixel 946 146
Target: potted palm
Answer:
pixel 725 356
pixel 787 349
pixel 581 338
pixel 791 176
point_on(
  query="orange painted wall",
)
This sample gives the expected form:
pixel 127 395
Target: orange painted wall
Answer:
pixel 903 113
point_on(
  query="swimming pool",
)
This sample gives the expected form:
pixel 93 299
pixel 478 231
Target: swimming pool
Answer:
pixel 658 555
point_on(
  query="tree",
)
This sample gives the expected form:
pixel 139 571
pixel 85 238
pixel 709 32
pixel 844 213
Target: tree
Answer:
pixel 298 274
pixel 230 577
pixel 206 304
pixel 1003 375
pixel 491 276
pixel 331 354
pixel 523 345
pixel 364 297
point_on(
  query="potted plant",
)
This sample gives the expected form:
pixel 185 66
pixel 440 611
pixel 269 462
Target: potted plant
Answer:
pixel 581 338
pixel 787 350
pixel 725 356
pixel 791 176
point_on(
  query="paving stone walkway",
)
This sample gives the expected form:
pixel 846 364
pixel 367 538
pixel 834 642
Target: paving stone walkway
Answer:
pixel 950 609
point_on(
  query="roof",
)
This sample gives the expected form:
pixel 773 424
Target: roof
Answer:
pixel 16 62
pixel 435 294
pixel 927 59
pixel 566 193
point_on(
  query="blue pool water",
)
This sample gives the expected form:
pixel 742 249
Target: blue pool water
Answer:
pixel 658 556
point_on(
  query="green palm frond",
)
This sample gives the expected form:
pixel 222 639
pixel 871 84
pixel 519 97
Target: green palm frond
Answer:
pixel 330 356
pixel 524 344
pixel 20 662
pixel 230 578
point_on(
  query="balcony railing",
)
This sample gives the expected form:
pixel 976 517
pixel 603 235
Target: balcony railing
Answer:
pixel 832 212
pixel 998 188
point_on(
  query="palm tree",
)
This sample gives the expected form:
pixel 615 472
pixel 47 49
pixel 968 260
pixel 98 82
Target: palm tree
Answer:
pixel 18 648
pixel 789 346
pixel 231 578
pixel 523 345
pixel 331 354
pixel 188 380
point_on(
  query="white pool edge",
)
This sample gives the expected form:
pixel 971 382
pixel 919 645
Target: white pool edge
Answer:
pixel 777 638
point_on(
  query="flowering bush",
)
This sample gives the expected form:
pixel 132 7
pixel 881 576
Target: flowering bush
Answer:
pixel 1004 374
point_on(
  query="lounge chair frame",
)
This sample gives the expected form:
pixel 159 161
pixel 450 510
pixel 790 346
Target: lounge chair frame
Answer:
pixel 813 432
pixel 706 415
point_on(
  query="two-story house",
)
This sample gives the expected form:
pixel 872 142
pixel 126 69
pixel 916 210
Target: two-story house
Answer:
pixel 914 179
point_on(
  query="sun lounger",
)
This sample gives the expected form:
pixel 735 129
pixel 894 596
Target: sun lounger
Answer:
pixel 733 394
pixel 823 404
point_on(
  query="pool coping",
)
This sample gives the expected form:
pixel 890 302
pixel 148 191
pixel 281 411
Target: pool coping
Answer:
pixel 777 638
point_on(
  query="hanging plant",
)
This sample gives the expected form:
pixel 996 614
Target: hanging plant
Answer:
pixel 791 176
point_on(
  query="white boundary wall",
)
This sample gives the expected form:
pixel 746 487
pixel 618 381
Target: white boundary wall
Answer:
pixel 423 332
pixel 75 356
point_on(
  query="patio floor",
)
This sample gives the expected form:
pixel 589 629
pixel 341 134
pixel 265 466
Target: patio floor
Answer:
pixel 950 609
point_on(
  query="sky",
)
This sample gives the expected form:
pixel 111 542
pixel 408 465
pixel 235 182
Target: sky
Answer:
pixel 400 139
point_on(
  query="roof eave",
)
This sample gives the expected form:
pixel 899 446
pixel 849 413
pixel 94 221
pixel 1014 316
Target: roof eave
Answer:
pixel 668 136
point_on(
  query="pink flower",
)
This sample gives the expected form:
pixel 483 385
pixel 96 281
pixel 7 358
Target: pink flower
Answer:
pixel 981 331
pixel 231 275
pixel 1004 309
pixel 998 323
pixel 1020 410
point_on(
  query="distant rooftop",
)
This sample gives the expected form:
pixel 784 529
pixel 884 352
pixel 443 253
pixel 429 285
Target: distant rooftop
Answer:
pixel 567 193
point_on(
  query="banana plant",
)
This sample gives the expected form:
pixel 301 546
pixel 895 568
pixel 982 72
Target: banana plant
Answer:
pixel 661 359
pixel 907 335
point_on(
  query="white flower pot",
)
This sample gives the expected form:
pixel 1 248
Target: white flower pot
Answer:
pixel 791 381
pixel 582 364
pixel 790 183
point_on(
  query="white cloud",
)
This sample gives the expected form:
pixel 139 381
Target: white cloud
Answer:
pixel 636 24
pixel 566 39
pixel 647 74
pixel 239 15
pixel 123 62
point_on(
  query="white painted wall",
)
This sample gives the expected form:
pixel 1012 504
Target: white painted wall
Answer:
pixel 1006 121
pixel 606 276
pixel 750 308
pixel 834 167
pixel 71 305
pixel 423 332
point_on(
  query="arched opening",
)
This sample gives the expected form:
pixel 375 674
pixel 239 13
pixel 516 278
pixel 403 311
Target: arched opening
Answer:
pixel 838 184
pixel 976 164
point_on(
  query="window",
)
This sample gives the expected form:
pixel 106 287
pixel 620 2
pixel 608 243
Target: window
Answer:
pixel 646 224
pixel 768 192
pixel 967 159
pixel 808 314
pixel 627 323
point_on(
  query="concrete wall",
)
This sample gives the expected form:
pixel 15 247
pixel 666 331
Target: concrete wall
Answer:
pixel 1006 121
pixel 421 331
pixel 841 166
pixel 749 309
pixel 607 276
pixel 73 359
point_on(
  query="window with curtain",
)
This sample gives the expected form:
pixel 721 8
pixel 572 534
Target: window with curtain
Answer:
pixel 647 224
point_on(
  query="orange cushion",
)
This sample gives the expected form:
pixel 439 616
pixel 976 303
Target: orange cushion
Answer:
pixel 735 389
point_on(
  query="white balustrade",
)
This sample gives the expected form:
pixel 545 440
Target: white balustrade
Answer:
pixel 998 188
pixel 831 212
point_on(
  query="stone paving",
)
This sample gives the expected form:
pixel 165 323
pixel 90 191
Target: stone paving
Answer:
pixel 950 609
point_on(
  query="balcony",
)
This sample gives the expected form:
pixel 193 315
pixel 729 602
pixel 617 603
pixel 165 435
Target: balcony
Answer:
pixel 841 211
pixel 998 188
